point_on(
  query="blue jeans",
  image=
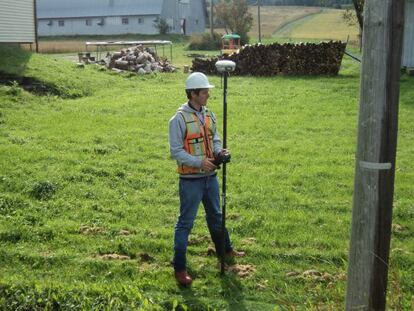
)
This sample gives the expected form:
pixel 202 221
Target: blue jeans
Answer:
pixel 192 193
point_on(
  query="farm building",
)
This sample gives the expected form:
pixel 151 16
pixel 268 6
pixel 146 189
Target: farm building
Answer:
pixel 109 17
pixel 17 21
pixel 408 49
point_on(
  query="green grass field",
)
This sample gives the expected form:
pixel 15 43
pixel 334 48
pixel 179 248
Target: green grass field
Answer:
pixel 328 24
pixel 88 193
pixel 273 18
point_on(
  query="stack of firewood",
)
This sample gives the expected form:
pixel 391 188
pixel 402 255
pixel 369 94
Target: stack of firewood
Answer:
pixel 138 59
pixel 286 59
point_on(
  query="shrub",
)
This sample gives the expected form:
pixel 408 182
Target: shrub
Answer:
pixel 162 26
pixel 205 41
pixel 244 38
pixel 236 17
pixel 11 236
pixel 43 190
pixel 14 89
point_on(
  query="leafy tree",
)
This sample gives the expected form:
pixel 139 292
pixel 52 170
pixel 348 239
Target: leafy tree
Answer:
pixel 162 26
pixel 235 16
pixel 359 9
pixel 352 17
pixel 355 17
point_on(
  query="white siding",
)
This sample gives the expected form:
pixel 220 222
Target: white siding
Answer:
pixel 17 21
pixel 408 50
pixel 112 25
pixel 94 8
pixel 75 12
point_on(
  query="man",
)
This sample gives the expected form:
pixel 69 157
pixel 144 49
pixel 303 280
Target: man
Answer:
pixel 195 144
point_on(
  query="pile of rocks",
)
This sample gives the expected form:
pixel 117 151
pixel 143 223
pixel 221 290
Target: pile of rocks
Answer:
pixel 138 59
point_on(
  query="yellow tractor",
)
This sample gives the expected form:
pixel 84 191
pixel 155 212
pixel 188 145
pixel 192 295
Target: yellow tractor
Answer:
pixel 230 44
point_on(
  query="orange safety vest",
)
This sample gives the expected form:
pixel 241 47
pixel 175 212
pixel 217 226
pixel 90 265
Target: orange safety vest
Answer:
pixel 198 140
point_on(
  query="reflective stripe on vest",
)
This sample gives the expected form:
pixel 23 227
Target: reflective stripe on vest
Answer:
pixel 196 142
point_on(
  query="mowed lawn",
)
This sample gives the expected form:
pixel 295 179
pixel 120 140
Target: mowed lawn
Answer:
pixel 89 198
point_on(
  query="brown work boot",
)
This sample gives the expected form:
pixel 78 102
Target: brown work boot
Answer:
pixel 233 253
pixel 183 278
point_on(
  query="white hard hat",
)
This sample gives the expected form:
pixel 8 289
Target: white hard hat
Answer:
pixel 197 80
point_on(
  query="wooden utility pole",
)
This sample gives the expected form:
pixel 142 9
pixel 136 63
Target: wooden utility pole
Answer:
pixel 376 154
pixel 211 19
pixel 258 20
pixel 35 26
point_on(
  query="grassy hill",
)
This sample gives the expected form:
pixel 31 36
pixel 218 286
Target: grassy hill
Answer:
pixel 325 25
pixel 272 18
pixel 88 193
pixel 300 23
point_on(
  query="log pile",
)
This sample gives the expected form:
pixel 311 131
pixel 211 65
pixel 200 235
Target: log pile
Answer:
pixel 138 59
pixel 281 59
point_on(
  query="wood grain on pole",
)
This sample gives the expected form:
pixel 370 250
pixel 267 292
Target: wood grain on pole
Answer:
pixel 376 155
pixel 258 18
pixel 35 25
pixel 211 18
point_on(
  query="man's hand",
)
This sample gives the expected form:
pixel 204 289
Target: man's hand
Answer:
pixel 224 151
pixel 207 165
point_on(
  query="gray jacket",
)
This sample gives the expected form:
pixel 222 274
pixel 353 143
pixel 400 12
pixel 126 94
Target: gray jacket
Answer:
pixel 177 131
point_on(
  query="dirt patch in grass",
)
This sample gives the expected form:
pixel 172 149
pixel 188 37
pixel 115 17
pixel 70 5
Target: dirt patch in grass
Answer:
pixel 249 241
pixel 29 84
pixel 91 230
pixel 147 267
pixel 144 257
pixel 124 232
pixel 211 251
pixel 114 256
pixel 396 228
pixel 47 254
pixel 196 240
pixel 242 270
pixel 316 275
pixel 234 216
pixel 263 285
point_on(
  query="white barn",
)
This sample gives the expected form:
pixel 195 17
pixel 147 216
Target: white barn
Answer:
pixel 17 21
pixel 110 17
pixel 408 48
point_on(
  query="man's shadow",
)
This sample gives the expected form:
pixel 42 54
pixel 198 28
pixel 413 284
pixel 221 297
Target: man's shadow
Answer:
pixel 190 299
pixel 231 292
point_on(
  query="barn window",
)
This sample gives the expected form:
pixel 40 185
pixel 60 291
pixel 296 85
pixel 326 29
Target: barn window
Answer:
pixel 50 23
pixel 125 21
pixel 61 23
pixel 140 20
pixel 88 22
pixel 101 22
pixel 196 21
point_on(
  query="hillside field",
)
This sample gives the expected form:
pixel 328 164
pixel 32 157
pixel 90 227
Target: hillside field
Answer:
pixel 278 23
pixel 89 198
pixel 272 18
pixel 325 25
